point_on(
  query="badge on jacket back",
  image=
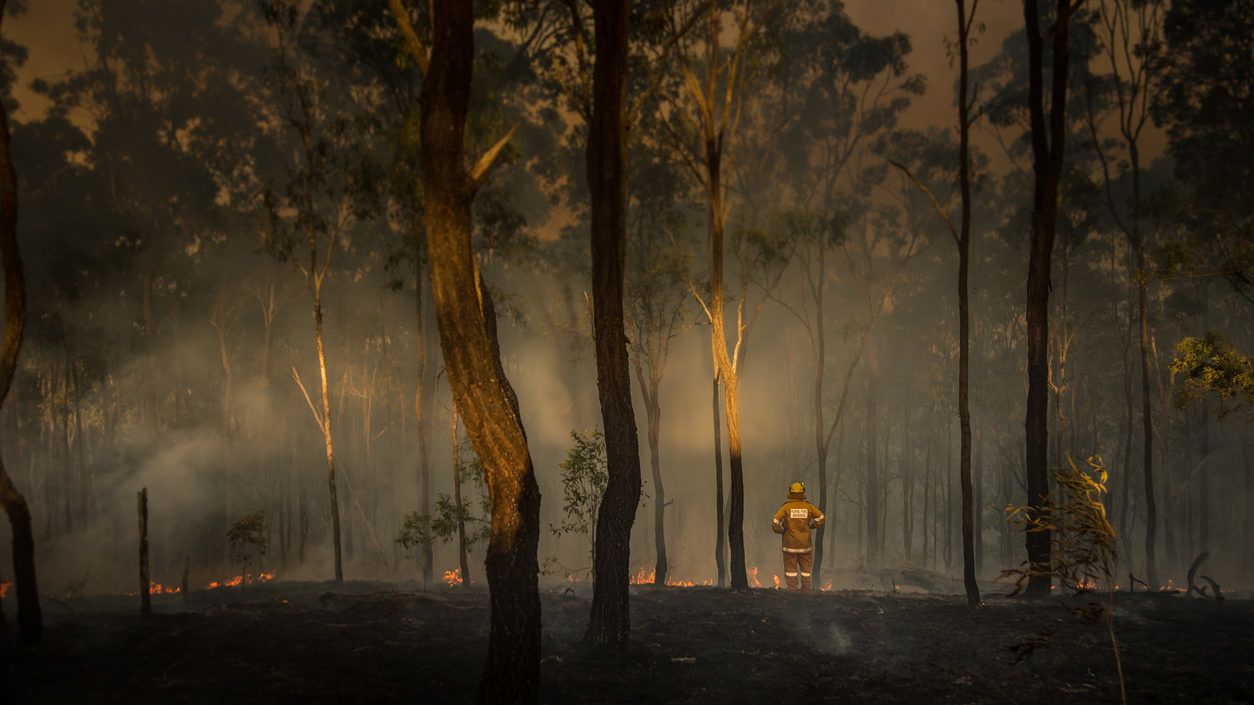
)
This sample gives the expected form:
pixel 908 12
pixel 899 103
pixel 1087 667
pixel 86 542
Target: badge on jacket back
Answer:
pixel 802 513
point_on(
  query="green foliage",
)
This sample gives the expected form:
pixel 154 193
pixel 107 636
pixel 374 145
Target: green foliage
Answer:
pixel 1213 366
pixel 584 476
pixel 247 537
pixel 419 529
pixel 415 531
pixel 1083 539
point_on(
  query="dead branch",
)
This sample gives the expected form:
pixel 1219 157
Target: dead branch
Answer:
pixel 1197 562
pixel 1216 593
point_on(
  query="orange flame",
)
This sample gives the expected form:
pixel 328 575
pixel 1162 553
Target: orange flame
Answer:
pixel 640 578
pixel 753 577
pixel 776 579
pixel 453 578
pixel 237 580
pixel 827 586
pixel 4 588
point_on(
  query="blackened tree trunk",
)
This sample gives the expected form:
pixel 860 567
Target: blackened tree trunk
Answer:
pixel 423 396
pixel 467 322
pixel 1048 144
pixel 610 620
pixel 964 312
pixel 29 617
pixel 720 553
pixel 455 456
pixel 145 582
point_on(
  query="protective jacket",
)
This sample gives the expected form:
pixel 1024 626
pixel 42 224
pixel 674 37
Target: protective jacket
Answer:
pixel 795 520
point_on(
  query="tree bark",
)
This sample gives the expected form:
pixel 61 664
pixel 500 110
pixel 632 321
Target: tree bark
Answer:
pixel 326 422
pixel 720 554
pixel 610 621
pixel 29 616
pixel 145 583
pixel 1048 145
pixel 483 396
pixel 455 454
pixel 964 316
pixel 422 405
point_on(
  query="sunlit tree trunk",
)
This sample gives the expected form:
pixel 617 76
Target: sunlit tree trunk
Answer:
pixel 316 288
pixel 467 322
pixel 29 617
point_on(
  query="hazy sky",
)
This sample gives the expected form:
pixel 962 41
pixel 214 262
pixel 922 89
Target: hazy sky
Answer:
pixel 47 31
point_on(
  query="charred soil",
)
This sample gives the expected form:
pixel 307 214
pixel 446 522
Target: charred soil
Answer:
pixel 377 643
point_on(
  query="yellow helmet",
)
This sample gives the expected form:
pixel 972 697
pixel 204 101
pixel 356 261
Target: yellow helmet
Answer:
pixel 797 488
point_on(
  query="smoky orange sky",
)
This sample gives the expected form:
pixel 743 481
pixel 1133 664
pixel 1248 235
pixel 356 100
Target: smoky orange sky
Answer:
pixel 47 31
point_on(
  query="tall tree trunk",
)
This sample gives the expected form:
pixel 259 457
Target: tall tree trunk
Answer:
pixel 821 438
pixel 964 316
pixel 1048 145
pixel 458 506
pixel 720 552
pixel 1147 422
pixel 145 582
pixel 484 398
pixel 29 617
pixel 423 395
pixel 326 422
pixel 872 496
pixel 654 408
pixel 610 620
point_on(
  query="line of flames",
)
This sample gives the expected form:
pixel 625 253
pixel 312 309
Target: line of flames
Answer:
pixel 156 588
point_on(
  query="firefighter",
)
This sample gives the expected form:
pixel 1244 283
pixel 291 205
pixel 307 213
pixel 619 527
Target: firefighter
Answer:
pixel 794 521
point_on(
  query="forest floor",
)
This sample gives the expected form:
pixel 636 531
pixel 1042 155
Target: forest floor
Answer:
pixel 313 643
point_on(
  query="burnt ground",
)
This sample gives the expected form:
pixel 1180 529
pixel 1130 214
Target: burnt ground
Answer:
pixel 377 643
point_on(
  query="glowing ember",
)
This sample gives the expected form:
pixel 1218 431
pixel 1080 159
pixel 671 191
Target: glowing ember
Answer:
pixel 4 588
pixel 453 578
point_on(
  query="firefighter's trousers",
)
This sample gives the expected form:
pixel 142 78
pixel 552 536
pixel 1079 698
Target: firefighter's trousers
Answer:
pixel 798 565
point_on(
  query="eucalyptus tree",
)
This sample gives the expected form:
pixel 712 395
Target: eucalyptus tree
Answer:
pixel 29 616
pixel 467 321
pixel 1049 137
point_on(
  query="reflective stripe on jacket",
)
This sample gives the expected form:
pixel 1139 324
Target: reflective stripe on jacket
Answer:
pixel 794 521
